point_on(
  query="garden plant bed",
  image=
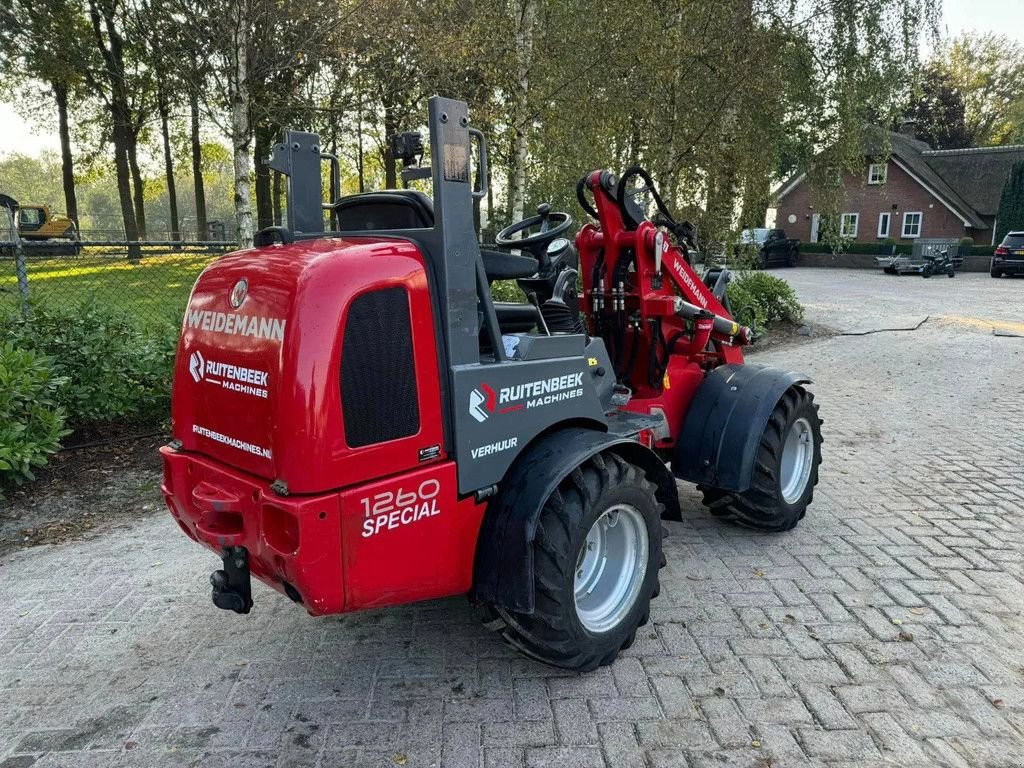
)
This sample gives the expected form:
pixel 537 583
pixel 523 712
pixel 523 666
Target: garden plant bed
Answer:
pixel 84 491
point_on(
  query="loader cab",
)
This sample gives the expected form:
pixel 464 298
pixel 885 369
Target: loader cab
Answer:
pixel 507 374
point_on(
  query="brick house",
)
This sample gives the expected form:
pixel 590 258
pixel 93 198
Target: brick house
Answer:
pixel 908 192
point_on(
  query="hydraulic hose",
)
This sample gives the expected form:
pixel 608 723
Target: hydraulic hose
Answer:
pixel 722 326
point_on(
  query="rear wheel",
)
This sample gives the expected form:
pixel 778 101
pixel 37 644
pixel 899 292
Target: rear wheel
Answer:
pixel 791 259
pixel 597 553
pixel 785 469
pixel 995 273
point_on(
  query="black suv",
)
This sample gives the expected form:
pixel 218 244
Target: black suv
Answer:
pixel 1009 256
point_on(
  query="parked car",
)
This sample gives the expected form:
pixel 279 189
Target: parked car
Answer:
pixel 1009 256
pixel 771 246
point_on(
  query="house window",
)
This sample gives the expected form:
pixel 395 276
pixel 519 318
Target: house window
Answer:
pixel 876 173
pixel 912 224
pixel 884 220
pixel 848 225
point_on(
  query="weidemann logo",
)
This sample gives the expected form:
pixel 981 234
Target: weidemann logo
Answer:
pixel 235 324
pixel 234 442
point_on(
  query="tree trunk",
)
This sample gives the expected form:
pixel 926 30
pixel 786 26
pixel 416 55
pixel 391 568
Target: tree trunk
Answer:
pixel 264 203
pixel 197 169
pixel 137 184
pixel 124 188
pixel 241 131
pixel 390 176
pixel 359 146
pixel 488 237
pixel 172 192
pixel 278 192
pixel 112 52
pixel 60 93
pixel 526 16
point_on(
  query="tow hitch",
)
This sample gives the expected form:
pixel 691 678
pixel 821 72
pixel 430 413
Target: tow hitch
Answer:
pixel 232 587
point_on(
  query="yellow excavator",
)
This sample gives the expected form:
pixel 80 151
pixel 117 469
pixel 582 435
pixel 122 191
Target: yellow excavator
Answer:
pixel 38 223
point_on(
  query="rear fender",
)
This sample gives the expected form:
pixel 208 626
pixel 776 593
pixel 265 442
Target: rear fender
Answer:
pixel 721 431
pixel 503 571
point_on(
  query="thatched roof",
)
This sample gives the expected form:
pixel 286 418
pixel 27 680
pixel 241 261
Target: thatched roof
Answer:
pixel 977 174
pixel 968 181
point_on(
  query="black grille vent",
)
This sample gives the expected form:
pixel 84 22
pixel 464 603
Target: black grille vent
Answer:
pixel 378 375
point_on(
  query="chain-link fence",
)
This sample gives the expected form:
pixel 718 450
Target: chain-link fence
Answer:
pixel 150 284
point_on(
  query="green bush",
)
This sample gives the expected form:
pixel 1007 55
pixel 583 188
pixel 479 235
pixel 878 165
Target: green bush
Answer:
pixel 31 421
pixel 883 248
pixel 507 290
pixel 111 369
pixel 966 242
pixel 759 299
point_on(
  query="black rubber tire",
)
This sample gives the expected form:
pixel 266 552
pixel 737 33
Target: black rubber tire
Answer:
pixel 553 633
pixel 951 272
pixel 792 258
pixel 995 273
pixel 762 506
pixel 927 271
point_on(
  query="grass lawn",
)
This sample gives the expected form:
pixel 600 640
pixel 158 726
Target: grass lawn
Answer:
pixel 154 290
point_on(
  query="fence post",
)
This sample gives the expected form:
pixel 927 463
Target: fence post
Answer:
pixel 20 266
pixel 22 271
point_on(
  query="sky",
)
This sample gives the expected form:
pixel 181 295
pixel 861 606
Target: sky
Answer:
pixel 1005 17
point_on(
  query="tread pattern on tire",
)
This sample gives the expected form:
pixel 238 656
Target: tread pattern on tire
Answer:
pixel 757 507
pixel 542 634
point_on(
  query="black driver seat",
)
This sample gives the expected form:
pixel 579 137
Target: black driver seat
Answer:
pixel 411 209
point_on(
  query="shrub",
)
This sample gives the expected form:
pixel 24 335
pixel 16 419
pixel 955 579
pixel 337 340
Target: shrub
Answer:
pixel 507 290
pixel 31 421
pixel 966 242
pixel 759 299
pixel 110 368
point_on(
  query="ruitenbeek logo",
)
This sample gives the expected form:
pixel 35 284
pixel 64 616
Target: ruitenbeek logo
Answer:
pixel 481 403
pixel 196 366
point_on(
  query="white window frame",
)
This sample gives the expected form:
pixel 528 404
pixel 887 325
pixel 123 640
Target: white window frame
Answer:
pixel 842 225
pixel 920 225
pixel 885 216
pixel 882 177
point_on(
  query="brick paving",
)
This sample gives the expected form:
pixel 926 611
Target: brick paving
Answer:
pixel 885 630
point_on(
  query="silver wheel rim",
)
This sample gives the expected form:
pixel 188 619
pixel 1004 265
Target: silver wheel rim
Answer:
pixel 611 567
pixel 797 460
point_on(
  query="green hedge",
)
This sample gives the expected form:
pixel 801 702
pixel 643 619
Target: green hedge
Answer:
pixel 31 421
pixel 109 368
pixel 882 249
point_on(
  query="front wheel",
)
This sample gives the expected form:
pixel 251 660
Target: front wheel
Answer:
pixel 785 469
pixel 950 272
pixel 596 557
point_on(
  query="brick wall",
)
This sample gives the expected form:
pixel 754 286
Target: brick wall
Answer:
pixel 870 201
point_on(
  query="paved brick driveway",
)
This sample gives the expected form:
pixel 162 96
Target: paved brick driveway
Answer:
pixel 886 629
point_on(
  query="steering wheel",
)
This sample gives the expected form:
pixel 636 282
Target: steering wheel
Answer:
pixel 549 224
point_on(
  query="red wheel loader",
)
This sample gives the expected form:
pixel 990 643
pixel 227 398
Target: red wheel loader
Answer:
pixel 357 423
